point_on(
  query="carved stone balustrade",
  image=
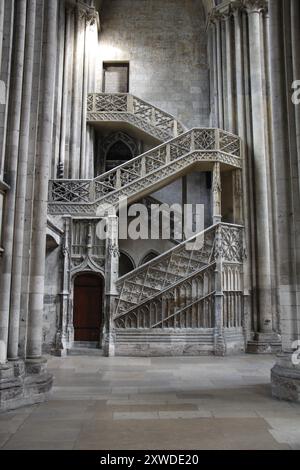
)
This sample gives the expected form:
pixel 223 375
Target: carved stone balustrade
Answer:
pixel 180 291
pixel 199 148
pixel 123 107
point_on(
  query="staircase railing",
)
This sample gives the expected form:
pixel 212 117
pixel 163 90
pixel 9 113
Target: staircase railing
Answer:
pixel 164 270
pixel 186 304
pixel 187 299
pixel 124 106
pixel 146 170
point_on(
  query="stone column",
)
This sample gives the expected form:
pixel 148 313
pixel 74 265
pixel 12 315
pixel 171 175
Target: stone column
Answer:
pixel 2 5
pixel 265 336
pixel 15 300
pixel 63 334
pixel 111 277
pixel 75 134
pixel 237 197
pixel 241 130
pixel 214 73
pixel 219 73
pixel 43 156
pixel 12 153
pixel 285 67
pixel 217 193
pixel 219 339
pixel 230 118
pixel 63 165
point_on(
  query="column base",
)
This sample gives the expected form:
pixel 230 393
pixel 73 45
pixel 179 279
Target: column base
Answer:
pixel 109 345
pixel 24 383
pixel 265 343
pixel 220 345
pixel 285 378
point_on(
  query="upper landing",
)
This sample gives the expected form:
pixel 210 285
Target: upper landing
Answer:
pixel 124 109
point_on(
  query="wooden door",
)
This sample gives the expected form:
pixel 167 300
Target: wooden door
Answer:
pixel 87 307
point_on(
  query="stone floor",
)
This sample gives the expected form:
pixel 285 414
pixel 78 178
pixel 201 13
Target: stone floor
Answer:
pixel 156 403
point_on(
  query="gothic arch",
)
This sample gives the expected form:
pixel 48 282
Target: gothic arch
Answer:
pixel 150 255
pixel 115 137
pixel 126 263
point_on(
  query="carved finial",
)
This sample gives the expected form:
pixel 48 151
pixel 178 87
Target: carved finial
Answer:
pixel 91 18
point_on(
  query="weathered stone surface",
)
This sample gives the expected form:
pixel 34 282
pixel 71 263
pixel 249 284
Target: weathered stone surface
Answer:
pixel 285 378
pixel 19 388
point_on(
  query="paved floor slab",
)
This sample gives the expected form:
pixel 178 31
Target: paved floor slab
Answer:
pixel 156 403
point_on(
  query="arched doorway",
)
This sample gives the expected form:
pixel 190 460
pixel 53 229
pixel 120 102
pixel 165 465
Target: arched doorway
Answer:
pixel 118 153
pixel 88 307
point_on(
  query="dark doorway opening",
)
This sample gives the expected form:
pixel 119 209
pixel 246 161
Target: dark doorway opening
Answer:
pixel 118 153
pixel 88 301
pixel 115 77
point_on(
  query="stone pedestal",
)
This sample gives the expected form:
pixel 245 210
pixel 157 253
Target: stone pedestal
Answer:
pixel 265 343
pixel 24 383
pixel 285 377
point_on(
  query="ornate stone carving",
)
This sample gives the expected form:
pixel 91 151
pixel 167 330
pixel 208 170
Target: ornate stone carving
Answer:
pixel 164 271
pixel 255 6
pixel 121 106
pixel 114 251
pixel 198 145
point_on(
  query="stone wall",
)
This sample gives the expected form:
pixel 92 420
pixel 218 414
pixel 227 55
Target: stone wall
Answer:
pixel 165 43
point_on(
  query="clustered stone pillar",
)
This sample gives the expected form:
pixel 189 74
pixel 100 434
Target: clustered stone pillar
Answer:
pixel 242 69
pixel 16 281
pixel 284 37
pixel 262 205
pixel 12 156
pixel 42 173
pixel 74 154
pixel 111 276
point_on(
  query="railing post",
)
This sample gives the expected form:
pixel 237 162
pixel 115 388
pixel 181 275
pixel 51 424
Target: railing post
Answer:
pixel 118 179
pixel 219 339
pixel 111 277
pixel 192 141
pixel 217 139
pixel 130 108
pixel 153 117
pixel 175 128
pixel 50 191
pixel 168 154
pixel 92 192
pixel 143 166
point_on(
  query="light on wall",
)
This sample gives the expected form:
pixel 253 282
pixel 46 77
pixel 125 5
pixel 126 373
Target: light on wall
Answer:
pixel 2 195
pixel 109 52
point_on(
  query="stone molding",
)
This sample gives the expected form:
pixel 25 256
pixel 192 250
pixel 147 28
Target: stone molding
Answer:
pixel 84 12
pixel 230 8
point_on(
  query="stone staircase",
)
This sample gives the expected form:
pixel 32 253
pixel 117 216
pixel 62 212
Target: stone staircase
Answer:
pixel 127 108
pixel 170 268
pixel 197 149
pixel 189 299
pixel 185 301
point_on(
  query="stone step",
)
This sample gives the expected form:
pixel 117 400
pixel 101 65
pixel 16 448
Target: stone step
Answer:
pixel 84 352
pixel 86 344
